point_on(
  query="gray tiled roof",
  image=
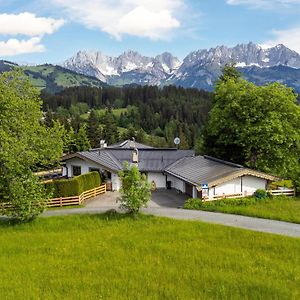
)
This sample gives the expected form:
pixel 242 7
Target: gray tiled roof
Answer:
pixel 150 159
pixel 201 169
pixel 103 158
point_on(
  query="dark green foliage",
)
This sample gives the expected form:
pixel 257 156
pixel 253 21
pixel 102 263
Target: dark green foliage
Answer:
pixel 74 186
pixel 89 180
pixel 25 145
pixel 164 113
pixel 93 129
pixel 110 130
pixel 64 187
pixel 257 126
pixel 261 194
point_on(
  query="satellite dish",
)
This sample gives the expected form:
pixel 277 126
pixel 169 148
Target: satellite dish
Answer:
pixel 177 141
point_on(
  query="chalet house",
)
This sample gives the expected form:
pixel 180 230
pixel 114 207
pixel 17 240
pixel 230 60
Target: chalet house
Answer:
pixel 196 176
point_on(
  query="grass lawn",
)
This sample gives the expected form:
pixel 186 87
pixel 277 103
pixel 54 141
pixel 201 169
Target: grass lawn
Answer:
pixel 278 208
pixel 119 257
pixel 101 112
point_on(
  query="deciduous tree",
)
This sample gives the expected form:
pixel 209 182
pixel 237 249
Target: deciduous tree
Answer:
pixel 258 126
pixel 135 191
pixel 25 145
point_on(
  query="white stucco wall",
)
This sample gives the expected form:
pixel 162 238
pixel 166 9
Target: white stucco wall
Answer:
pixel 238 185
pixel 251 184
pixel 176 183
pixel 85 168
pixel 229 187
pixel 158 178
pixel 116 183
pixel 85 165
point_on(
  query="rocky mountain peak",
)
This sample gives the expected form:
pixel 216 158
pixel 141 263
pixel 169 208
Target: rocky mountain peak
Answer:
pixel 198 69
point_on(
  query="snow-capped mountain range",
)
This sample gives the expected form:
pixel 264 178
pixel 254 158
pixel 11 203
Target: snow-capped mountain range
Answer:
pixel 198 69
pixel 111 69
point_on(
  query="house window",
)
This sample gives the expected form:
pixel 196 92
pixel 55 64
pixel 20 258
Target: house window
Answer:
pixel 94 170
pixel 76 170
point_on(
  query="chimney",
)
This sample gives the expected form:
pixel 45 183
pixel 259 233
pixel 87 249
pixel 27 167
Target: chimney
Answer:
pixel 102 144
pixel 132 143
pixel 135 155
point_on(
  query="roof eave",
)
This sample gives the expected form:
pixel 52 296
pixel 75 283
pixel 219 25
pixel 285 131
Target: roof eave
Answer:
pixel 243 172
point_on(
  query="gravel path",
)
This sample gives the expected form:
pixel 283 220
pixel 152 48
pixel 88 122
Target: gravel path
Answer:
pixel 255 224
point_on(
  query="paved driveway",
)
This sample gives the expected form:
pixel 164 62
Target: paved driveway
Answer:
pixel 165 203
pixel 160 198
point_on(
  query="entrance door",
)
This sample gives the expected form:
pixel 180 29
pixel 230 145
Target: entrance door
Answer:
pixel 189 189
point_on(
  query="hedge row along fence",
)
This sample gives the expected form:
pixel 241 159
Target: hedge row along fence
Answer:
pixel 74 186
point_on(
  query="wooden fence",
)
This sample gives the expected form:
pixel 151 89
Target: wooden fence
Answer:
pixel 286 192
pixel 290 192
pixel 77 200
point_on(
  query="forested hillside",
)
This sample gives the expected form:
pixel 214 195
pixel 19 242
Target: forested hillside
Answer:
pixel 151 114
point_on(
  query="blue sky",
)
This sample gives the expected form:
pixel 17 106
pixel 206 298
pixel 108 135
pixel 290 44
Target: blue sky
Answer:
pixel 40 31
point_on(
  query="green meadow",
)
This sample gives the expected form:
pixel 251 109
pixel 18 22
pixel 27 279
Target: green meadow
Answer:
pixel 114 256
pixel 280 208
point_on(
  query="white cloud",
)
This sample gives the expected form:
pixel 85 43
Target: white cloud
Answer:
pixel 289 37
pixel 14 47
pixel 153 19
pixel 27 24
pixel 264 3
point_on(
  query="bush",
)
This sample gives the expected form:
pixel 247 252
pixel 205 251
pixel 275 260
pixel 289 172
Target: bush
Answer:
pixel 74 186
pixel 261 194
pixel 283 183
pixel 215 204
pixel 192 203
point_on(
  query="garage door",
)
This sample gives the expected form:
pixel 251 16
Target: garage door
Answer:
pixel 189 189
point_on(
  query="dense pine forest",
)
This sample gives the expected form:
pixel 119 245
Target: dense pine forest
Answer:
pixel 150 114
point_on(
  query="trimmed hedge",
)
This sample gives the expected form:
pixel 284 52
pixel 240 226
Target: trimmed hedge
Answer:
pixel 74 186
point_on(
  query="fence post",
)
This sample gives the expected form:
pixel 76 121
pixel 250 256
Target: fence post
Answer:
pixel 60 201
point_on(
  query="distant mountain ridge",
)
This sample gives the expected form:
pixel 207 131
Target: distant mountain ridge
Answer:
pixel 129 67
pixel 199 69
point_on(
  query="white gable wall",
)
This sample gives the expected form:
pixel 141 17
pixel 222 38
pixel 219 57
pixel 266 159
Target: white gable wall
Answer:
pixel 85 168
pixel 85 165
pixel 158 178
pixel 238 185
pixel 251 184
pixel 230 187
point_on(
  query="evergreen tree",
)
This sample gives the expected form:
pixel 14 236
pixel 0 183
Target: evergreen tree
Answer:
pixel 93 129
pixel 110 130
pixel 81 140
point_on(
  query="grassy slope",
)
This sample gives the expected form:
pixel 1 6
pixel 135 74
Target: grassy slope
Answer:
pixel 101 257
pixel 101 112
pixel 279 208
pixel 54 77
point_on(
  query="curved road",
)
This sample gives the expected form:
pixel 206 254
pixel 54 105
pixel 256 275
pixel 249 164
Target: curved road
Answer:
pixel 255 224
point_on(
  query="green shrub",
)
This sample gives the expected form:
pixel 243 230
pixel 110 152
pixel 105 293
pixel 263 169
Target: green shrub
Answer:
pixel 261 194
pixel 74 186
pixel 192 203
pixel 211 205
pixel 283 183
